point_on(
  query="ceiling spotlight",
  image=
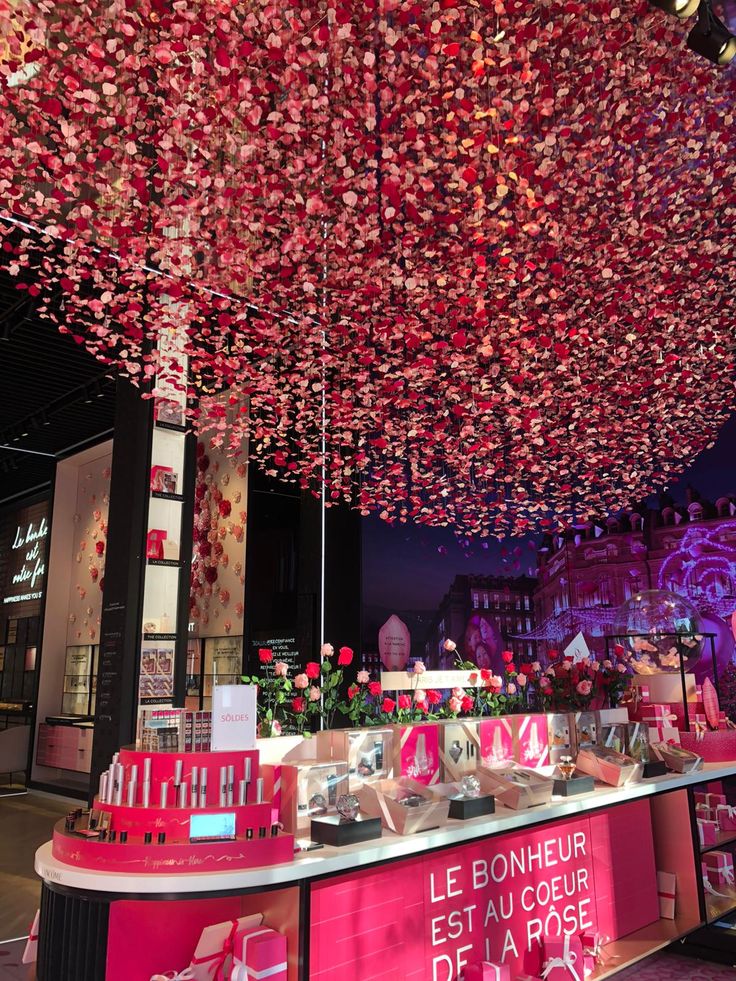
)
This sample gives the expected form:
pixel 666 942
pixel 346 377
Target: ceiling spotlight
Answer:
pixel 711 38
pixel 679 8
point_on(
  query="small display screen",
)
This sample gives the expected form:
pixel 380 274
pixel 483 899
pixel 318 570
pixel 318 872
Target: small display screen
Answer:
pixel 211 827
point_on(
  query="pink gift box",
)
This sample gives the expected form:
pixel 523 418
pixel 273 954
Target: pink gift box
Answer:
pixel 213 957
pixel 657 712
pixel 719 867
pixel 496 741
pixel 531 742
pixel 707 832
pixel 706 812
pixel 713 800
pixel 663 733
pixel 30 952
pixel 666 891
pixel 260 953
pixel 487 971
pixel 563 959
pixel 700 797
pixel 726 817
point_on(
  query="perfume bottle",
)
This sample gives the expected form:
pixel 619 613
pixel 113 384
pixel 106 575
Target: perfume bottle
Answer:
pixel 455 751
pixel 421 761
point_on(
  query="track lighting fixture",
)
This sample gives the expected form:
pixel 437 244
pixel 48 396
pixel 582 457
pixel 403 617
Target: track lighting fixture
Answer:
pixel 678 8
pixel 711 38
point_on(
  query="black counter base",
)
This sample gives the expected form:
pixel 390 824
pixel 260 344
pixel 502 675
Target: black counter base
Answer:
pixel 334 830
pixel 654 768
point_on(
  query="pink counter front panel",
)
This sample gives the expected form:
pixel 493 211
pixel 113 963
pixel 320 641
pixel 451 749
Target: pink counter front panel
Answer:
pixel 425 918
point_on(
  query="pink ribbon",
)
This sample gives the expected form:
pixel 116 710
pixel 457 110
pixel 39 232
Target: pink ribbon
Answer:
pixel 220 956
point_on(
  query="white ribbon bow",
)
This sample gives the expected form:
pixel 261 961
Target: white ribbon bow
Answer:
pixel 567 961
pixel 711 891
pixel 185 975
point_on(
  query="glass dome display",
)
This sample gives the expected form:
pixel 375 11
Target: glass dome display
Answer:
pixel 659 627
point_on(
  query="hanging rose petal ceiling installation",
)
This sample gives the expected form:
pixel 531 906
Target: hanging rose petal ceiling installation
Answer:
pixel 486 249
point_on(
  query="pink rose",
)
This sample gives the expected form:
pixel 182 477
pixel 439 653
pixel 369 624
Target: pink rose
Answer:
pixel 536 667
pixel 550 671
pixel 326 650
pixel 314 694
pixel 621 668
pixel 455 704
pixel 511 688
pixel 420 696
pixel 595 666
pixel 419 667
pixel 457 693
pixel 363 678
pixel 281 669
pixel 608 664
pixel 566 665
pixel 450 645
pixel 544 682
pixel 301 681
pixel 584 687
pixel 521 680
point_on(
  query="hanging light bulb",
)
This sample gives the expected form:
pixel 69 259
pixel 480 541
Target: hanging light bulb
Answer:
pixel 711 38
pixel 678 8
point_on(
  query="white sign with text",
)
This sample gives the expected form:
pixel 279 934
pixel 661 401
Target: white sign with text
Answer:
pixel 233 717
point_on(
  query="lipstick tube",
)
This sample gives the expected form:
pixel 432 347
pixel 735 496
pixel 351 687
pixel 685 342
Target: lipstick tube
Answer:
pixel 223 786
pixel 146 795
pixel 246 769
pixel 230 785
pixel 259 790
pixel 147 770
pixel 183 794
pixel 203 787
pixel 163 791
pixel 119 781
pixel 195 786
pixel 102 793
pixel 241 793
pixel 132 788
pixel 177 772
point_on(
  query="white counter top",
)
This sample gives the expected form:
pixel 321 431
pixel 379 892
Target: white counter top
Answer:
pixel 330 861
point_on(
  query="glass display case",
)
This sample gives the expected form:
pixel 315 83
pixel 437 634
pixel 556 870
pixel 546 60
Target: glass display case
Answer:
pixel 80 677
pixel 211 661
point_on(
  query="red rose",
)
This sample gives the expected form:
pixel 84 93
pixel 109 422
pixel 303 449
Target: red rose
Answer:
pixel 526 669
pixel 224 507
pixel 374 687
pixel 388 705
pixel 297 704
pixel 312 670
pixel 467 704
pixel 434 697
pixel 473 677
pixel 345 656
pixel 353 691
pixel 422 706
pixel 560 672
pixel 553 655
pixel 99 547
pixel 404 701
pixel 486 674
pixel 508 656
pixel 210 574
pixel 265 655
pixel 510 669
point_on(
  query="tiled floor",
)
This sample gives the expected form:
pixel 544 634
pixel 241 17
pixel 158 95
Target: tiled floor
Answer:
pixel 26 822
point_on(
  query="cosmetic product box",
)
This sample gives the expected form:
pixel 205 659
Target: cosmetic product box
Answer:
pixel 496 741
pixel 417 752
pixel 460 748
pixel 369 753
pixel 561 735
pixel 677 759
pixel 515 786
pixel 586 729
pixel 531 740
pixel 305 790
pixel 382 799
pixel 608 766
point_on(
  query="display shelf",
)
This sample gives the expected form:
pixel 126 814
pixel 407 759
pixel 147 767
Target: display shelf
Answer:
pixel 636 946
pixel 175 820
pixel 722 838
pixel 719 906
